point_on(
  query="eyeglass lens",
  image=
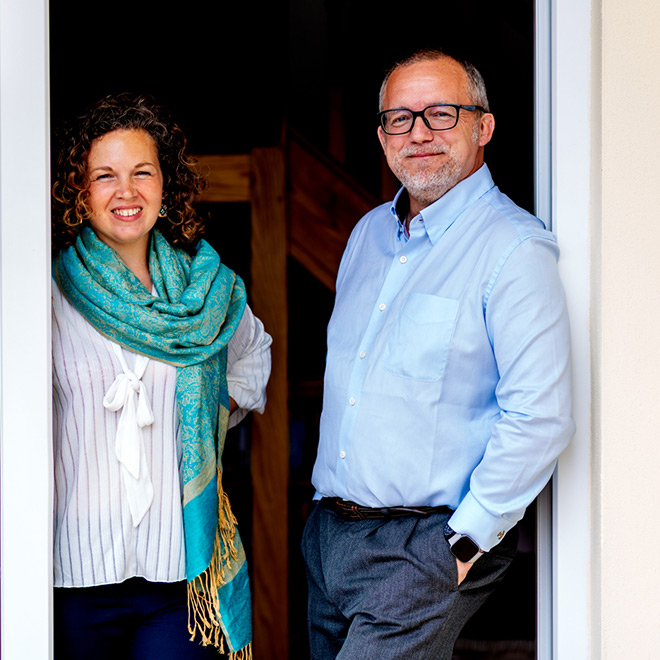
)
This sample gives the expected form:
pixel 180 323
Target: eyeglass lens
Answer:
pixel 438 117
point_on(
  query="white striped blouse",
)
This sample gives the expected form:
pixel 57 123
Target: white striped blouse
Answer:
pixel 95 542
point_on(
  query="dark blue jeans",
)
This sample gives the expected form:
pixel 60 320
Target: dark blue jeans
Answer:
pixel 386 590
pixel 133 620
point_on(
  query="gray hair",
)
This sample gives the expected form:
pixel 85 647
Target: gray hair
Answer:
pixel 476 88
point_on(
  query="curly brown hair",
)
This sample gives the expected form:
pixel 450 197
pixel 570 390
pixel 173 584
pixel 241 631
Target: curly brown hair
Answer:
pixel 181 180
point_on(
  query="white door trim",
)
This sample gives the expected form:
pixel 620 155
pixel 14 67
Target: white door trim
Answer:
pixel 25 372
pixel 543 209
pixel 571 149
pixel 562 199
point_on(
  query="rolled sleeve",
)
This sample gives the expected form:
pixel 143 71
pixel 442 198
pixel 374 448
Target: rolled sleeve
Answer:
pixel 248 366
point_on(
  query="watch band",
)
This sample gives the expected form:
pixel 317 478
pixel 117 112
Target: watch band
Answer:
pixel 462 546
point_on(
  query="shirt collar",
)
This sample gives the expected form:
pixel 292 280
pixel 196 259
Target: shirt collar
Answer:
pixel 399 209
pixel 440 215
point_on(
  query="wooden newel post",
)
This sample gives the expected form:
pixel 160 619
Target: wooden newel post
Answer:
pixel 270 437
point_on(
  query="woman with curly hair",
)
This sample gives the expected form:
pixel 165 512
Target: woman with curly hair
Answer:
pixel 155 355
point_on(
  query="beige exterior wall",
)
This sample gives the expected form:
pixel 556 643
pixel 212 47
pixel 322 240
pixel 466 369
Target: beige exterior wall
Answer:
pixel 625 329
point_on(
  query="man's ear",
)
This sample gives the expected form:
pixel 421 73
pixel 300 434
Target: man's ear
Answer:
pixel 382 137
pixel 486 128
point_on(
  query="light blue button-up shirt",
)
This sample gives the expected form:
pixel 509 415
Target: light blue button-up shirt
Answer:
pixel 448 367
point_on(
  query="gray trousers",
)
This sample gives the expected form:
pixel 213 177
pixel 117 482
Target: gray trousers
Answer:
pixel 387 589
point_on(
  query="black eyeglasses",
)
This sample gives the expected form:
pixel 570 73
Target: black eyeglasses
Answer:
pixel 439 117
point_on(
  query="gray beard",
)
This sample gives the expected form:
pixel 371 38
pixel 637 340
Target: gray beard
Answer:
pixel 428 187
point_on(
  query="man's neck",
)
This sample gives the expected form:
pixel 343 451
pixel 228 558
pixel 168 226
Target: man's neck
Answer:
pixel 407 208
pixel 403 208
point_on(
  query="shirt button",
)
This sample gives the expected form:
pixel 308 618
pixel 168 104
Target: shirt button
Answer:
pixel 342 454
pixel 352 400
pixel 382 306
pixel 403 259
pixel 362 355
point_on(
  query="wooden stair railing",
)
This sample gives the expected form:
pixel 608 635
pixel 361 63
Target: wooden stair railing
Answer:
pixel 323 206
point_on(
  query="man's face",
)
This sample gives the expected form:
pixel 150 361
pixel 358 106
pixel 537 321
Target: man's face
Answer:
pixel 429 163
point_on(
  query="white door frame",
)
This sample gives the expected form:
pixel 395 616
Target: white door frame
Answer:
pixel 543 209
pixel 25 372
pixel 563 70
pixel 563 185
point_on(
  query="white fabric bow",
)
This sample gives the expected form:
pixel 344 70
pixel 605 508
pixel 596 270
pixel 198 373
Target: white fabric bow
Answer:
pixel 130 393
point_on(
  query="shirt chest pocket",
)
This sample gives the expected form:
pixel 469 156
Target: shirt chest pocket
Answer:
pixel 418 344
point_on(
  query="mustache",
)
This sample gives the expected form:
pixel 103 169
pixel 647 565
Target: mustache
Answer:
pixel 418 151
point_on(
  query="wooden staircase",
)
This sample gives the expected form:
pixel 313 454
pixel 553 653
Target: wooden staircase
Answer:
pixel 323 206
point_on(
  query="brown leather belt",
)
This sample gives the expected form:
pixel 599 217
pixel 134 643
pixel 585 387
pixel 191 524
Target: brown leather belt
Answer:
pixel 352 511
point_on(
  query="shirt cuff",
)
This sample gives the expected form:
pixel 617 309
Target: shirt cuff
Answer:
pixel 484 528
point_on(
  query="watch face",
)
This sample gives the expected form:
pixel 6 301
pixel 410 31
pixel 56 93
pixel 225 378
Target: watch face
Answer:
pixel 464 549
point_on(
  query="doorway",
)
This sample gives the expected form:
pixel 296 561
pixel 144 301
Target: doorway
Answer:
pixel 322 82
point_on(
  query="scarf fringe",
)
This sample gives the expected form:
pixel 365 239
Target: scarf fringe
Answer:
pixel 243 654
pixel 203 602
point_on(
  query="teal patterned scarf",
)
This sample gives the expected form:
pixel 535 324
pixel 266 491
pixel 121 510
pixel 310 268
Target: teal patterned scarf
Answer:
pixel 188 324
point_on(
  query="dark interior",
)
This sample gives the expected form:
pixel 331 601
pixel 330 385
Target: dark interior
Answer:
pixel 243 75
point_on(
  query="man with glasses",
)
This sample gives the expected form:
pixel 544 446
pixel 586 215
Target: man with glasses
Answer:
pixel 447 388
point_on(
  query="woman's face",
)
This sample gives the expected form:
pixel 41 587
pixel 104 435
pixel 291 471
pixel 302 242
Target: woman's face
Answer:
pixel 125 188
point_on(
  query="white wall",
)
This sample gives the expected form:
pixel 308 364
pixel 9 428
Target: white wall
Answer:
pixel 606 178
pixel 25 386
pixel 626 315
